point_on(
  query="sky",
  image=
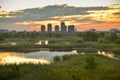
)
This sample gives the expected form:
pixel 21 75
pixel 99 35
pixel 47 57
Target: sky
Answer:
pixel 84 14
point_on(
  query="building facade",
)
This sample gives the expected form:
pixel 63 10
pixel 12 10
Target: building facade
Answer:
pixel 63 27
pixel 71 28
pixel 49 27
pixel 56 28
pixel 42 28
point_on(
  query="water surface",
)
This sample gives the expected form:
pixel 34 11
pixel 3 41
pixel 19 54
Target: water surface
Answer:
pixel 45 54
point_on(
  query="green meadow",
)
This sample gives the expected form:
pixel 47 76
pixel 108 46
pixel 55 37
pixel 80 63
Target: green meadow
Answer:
pixel 89 66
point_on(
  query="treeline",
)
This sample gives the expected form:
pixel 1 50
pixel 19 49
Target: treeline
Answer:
pixel 81 41
pixel 30 35
pixel 102 37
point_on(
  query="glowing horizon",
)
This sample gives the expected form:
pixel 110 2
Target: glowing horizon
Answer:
pixel 12 58
pixel 83 16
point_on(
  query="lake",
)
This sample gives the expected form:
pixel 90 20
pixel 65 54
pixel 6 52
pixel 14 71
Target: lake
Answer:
pixel 43 57
pixel 45 54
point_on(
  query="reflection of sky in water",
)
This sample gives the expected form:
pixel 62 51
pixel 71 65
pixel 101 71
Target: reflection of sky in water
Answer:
pixel 46 54
pixel 15 58
pixel 43 57
pixel 109 55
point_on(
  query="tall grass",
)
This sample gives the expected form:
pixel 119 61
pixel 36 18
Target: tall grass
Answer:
pixel 70 68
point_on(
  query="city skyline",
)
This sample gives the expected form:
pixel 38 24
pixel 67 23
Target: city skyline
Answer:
pixel 85 15
pixel 62 28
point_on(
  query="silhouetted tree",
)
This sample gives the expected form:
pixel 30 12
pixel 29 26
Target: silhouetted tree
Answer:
pixel 90 36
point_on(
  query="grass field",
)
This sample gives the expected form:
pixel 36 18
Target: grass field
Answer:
pixel 73 67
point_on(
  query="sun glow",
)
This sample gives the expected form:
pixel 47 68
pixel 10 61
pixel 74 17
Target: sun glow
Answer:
pixel 105 15
pixel 109 55
pixel 10 58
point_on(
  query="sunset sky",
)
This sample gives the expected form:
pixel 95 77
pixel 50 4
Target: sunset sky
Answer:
pixel 84 14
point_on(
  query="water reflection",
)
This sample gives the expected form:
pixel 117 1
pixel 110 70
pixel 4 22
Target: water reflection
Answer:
pixel 47 54
pixel 12 58
pixel 109 55
pixel 42 57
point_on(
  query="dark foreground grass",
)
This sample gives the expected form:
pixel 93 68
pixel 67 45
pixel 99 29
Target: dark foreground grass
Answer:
pixel 71 68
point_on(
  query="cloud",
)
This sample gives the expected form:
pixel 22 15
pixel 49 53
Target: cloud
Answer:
pixel 114 6
pixel 34 17
pixel 50 11
pixel 5 14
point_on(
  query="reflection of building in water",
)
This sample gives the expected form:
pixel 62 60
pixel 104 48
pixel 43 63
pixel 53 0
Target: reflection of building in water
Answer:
pixel 39 42
pixel 42 42
pixel 46 42
pixel 109 55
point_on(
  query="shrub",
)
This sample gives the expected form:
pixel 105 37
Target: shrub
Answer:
pixel 66 57
pixel 117 41
pixel 90 63
pixel 80 41
pixel 116 51
pixel 9 72
pixel 101 40
pixel 57 58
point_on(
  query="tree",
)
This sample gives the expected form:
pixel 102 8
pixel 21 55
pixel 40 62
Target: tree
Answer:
pixel 2 37
pixel 114 36
pixel 107 38
pixel 117 41
pixel 100 40
pixel 57 58
pixel 90 36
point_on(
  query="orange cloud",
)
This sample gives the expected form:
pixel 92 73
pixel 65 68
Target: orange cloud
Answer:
pixel 35 25
pixel 34 28
pixel 101 26
pixel 97 19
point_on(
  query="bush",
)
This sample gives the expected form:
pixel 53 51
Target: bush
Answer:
pixel 117 41
pixel 2 38
pixel 66 57
pixel 116 51
pixel 79 41
pixel 57 58
pixel 90 63
pixel 101 40
pixel 9 72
